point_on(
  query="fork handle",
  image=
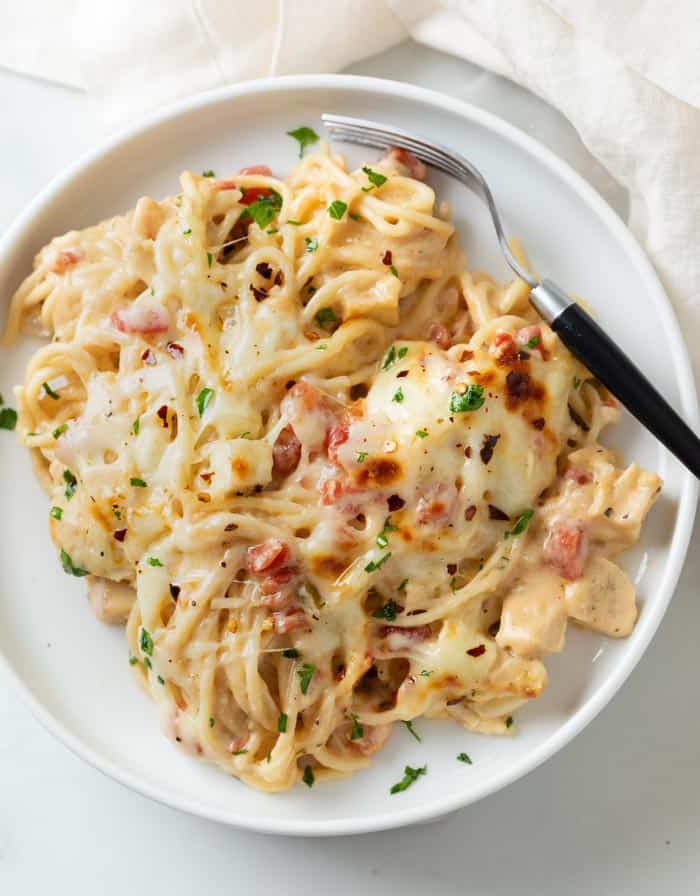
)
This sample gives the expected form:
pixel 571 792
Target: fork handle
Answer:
pixel 608 363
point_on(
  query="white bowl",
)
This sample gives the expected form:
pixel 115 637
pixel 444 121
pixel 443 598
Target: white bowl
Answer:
pixel 73 671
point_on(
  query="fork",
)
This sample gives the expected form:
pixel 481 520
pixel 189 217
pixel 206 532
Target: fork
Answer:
pixel 576 329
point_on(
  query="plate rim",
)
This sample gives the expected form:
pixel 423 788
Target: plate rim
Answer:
pixel 688 493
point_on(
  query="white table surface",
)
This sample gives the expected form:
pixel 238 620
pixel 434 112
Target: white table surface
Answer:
pixel 617 812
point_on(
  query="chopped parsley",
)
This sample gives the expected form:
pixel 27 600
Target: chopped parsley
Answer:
pixel 426 673
pixel 291 653
pixel 187 232
pixel 58 432
pixel 211 721
pixel 272 231
pixel 357 732
pixel 294 223
pixel 306 673
pixel 50 392
pixel 354 216
pixel 208 173
pixel 71 484
pixel 382 539
pixel 8 419
pixel 374 177
pixel 393 270
pixel 146 642
pixel 147 662
pixel 463 757
pixel 154 561
pixel 210 258
pixel 521 523
pixel 398 395
pixel 70 567
pixel 326 317
pixel 388 611
pixel 412 730
pixel 136 426
pixel 576 382
pixel 56 513
pixel 132 660
pixel 374 565
pixel 322 347
pixel 311 244
pixel 239 752
pixel 394 355
pixel 264 209
pixel 203 400
pixel 362 456
pixel 422 433
pixel 509 721
pixel 308 776
pixel 409 777
pixel 304 136
pixel 138 483
pixel 531 343
pixel 161 680
pixel 337 209
pixel 402 586
pixel 471 400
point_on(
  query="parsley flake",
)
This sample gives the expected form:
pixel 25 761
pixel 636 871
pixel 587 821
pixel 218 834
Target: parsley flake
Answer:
pixel 374 177
pixel 50 392
pixel 264 209
pixel 398 395
pixel 71 484
pixel 308 776
pixel 509 721
pixel 58 432
pixel 326 317
pixel 210 258
pixel 463 757
pixel 203 400
pixel 136 426
pixel 374 565
pixel 187 232
pixel 56 513
pixel 8 419
pixel 69 567
pixel 394 355
pixel 337 209
pixel 132 660
pixel 305 136
pixel 282 723
pixel 154 561
pixel 146 642
pixel 311 244
pixel 306 673
pixel 422 433
pixel 357 732
pixel 410 776
pixel 138 483
pixel 471 400
pixel 531 343
pixel 521 524
pixel 393 270
pixel 412 730
pixel 211 721
pixel 208 173
pixel 239 752
pixel 402 586
pixel 388 611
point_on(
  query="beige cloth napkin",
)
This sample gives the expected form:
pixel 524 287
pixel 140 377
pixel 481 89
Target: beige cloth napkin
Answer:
pixel 626 73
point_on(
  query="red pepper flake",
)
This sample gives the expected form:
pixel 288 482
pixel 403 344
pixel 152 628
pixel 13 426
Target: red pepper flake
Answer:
pixel 466 355
pixel 470 512
pixel 387 258
pixel 518 385
pixel 149 358
pixel 260 294
pixel 175 350
pixel 468 451
pixel 207 477
pixel 495 513
pixel 279 279
pixel 174 591
pixel 231 527
pixel 486 452
pixel 289 384
pixel 120 534
pixel 162 412
pixel 477 651
pixel 264 270
pixel 539 423
pixel 451 569
pixel 394 502
pixel 401 374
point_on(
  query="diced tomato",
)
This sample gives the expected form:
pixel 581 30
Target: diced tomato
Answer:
pixel 277 579
pixel 65 259
pixel 286 452
pixel 504 348
pixel 290 619
pixel 440 335
pixel 404 159
pixel 141 320
pixel 566 547
pixel 331 491
pixel 268 555
pixel 251 194
pixel 532 333
pixel 336 437
pixel 580 477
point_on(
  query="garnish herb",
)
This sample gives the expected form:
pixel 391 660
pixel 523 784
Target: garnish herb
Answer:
pixel 136 426
pixel 291 653
pixel 211 721
pixel 326 317
pixel 374 177
pixel 58 432
pixel 154 561
pixel 393 270
pixel 50 392
pixel 576 382
pixel 463 757
pixel 294 223
pixel 56 513
pixel 210 258
pixel 272 231
pixel 203 400
pixel 337 209
pixel 398 395
pixel 521 524
pixel 531 343
pixel 311 244
pixel 208 173
pixel 373 565
pixel 8 419
pixel 412 730
pixel 147 662
pixel 362 457
pixel 509 721
pixel 394 355
pixel 187 232
pixel 305 136
pixel 146 642
pixel 388 611
pixel 422 433
pixel 322 347
pixel 471 400
pixel 306 673
pixel 71 484
pixel 264 209
pixel 239 752
pixel 402 586
pixel 308 776
pixel 138 483
pixel 354 216
pixel 382 540
pixel 70 567
pixel 426 673
pixel 161 680
pixel 357 731
pixel 410 775
pixel 282 723
pixel 132 660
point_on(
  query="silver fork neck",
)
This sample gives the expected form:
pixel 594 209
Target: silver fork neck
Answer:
pixel 549 300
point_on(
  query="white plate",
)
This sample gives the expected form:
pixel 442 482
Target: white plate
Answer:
pixel 74 671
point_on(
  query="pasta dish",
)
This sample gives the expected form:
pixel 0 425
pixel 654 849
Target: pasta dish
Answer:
pixel 329 478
